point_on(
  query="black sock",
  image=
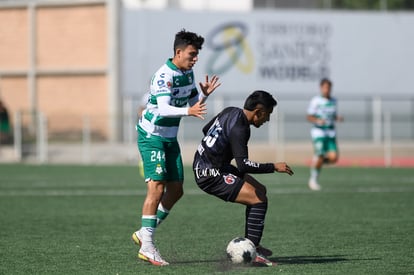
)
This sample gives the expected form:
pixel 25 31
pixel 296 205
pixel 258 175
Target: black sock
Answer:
pixel 255 216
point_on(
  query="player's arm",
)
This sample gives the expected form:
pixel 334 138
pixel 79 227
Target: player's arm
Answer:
pixel 161 84
pixel 238 140
pixel 207 88
pixel 315 120
pixel 338 118
pixel 311 114
pixel 166 110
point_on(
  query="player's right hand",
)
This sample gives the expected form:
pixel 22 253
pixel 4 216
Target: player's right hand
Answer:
pixel 198 110
pixel 282 167
pixel 320 122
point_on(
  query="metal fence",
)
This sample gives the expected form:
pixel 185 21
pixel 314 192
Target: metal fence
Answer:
pixel 364 118
pixel 378 120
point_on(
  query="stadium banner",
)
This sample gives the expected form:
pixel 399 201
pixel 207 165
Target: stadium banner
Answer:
pixel 286 52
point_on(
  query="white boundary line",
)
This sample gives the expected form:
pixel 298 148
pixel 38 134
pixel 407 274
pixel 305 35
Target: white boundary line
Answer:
pixel 134 192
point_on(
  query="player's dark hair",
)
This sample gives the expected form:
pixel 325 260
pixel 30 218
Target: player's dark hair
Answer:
pixel 325 81
pixel 259 97
pixel 184 38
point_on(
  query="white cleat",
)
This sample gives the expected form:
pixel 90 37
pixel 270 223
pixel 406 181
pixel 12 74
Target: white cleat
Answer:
pixel 314 185
pixel 151 254
pixel 137 238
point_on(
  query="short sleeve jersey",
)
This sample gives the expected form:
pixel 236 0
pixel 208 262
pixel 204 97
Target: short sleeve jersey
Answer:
pixel 325 109
pixel 175 83
pixel 226 138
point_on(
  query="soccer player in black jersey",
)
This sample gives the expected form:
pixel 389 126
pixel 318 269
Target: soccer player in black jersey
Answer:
pixel 225 138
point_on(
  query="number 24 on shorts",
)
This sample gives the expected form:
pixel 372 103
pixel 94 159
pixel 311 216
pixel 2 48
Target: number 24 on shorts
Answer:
pixel 157 156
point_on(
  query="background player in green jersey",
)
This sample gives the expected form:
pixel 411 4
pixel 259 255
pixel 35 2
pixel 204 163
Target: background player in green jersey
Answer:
pixel 172 89
pixel 322 113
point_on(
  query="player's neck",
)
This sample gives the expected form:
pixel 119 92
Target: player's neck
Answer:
pixel 249 115
pixel 177 64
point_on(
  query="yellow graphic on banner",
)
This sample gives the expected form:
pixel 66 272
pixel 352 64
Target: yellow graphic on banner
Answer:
pixel 229 40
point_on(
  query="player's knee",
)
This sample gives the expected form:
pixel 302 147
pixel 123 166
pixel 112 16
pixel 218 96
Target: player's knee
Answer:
pixel 333 158
pixel 179 193
pixel 175 191
pixel 156 188
pixel 261 195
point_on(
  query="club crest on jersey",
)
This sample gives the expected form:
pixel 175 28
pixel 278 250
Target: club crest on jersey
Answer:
pixel 169 84
pixel 158 170
pixel 229 179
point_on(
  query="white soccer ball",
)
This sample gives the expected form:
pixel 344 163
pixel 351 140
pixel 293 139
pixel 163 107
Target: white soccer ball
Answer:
pixel 241 250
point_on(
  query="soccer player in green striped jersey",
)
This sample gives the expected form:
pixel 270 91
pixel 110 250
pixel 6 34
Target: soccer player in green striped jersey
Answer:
pixel 322 113
pixel 172 90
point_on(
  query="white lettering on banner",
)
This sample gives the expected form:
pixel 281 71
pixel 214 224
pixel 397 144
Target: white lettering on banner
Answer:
pixel 292 47
pixel 293 51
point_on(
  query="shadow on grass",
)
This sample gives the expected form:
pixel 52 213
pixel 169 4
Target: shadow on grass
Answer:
pixel 224 264
pixel 199 261
pixel 316 259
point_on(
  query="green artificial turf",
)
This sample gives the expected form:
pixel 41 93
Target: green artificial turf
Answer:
pixel 79 219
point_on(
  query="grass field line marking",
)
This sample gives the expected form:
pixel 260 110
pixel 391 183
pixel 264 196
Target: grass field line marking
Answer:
pixel 134 192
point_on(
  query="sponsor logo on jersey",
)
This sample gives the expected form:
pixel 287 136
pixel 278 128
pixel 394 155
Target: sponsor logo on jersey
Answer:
pixel 169 84
pixel 251 163
pixel 200 149
pixel 206 172
pixel 160 83
pixel 176 92
pixel 229 179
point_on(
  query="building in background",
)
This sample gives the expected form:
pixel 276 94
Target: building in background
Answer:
pixel 60 58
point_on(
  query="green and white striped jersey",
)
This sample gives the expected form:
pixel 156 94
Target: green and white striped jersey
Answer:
pixel 325 109
pixel 180 88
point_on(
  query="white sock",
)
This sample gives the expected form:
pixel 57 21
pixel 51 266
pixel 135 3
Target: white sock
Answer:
pixel 314 173
pixel 148 228
pixel 162 213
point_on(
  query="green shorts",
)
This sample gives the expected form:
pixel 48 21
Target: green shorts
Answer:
pixel 161 157
pixel 322 145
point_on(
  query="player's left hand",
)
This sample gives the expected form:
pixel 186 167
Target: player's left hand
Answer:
pixel 340 118
pixel 208 87
pixel 282 167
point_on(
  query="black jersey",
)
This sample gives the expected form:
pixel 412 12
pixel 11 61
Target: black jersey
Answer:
pixel 226 138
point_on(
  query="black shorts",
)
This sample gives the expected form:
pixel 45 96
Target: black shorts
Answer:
pixel 222 183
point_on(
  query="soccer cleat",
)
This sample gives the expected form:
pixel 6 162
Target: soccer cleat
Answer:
pixel 264 251
pixel 262 260
pixel 152 256
pixel 314 185
pixel 137 238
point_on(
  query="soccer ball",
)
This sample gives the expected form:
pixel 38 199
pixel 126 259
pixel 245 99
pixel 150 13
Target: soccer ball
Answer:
pixel 241 250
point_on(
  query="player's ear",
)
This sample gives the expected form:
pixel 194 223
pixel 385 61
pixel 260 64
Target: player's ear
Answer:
pixel 257 112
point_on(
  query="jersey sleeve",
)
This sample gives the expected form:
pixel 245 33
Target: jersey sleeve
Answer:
pixel 161 88
pixel 239 138
pixel 166 110
pixel 312 108
pixel 161 84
